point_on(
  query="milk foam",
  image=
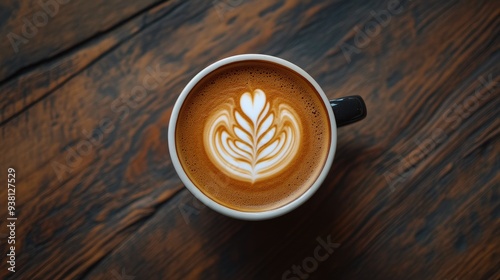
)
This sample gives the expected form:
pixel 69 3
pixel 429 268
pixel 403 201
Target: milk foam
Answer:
pixel 253 141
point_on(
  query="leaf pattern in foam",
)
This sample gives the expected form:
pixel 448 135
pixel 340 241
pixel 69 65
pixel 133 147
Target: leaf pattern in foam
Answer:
pixel 255 142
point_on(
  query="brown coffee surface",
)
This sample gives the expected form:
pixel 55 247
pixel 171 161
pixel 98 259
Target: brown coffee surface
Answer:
pixel 251 161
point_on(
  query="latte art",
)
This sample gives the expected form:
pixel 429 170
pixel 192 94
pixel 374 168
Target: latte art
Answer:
pixel 253 141
pixel 253 135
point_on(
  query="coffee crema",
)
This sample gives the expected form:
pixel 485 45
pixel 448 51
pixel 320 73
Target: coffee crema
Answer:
pixel 253 135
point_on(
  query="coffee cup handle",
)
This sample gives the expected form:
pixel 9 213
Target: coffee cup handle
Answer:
pixel 348 109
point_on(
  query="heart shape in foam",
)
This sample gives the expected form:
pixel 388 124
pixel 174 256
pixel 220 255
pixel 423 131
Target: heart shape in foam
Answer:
pixel 256 140
pixel 252 105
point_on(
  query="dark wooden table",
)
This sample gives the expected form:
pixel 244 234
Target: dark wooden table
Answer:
pixel 414 192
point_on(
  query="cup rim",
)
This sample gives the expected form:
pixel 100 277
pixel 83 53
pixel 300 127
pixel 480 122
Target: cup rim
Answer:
pixel 262 215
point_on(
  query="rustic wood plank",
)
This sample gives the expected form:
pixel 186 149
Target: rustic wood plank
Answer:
pixel 22 90
pixel 34 31
pixel 413 192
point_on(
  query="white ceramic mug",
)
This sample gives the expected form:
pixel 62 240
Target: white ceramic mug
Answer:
pixel 341 111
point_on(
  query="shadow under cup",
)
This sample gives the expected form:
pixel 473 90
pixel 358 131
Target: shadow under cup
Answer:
pixel 252 136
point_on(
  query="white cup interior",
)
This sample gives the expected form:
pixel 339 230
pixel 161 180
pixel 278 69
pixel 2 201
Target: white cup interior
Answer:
pixel 221 208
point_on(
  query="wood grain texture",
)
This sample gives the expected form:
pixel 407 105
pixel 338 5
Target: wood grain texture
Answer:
pixel 413 192
pixel 33 31
pixel 40 78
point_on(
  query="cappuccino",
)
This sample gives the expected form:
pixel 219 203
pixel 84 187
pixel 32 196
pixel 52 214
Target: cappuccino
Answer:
pixel 253 135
